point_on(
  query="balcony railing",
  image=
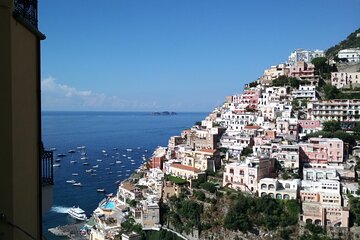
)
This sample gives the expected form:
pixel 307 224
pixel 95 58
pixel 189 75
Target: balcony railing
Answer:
pixel 47 161
pixel 27 9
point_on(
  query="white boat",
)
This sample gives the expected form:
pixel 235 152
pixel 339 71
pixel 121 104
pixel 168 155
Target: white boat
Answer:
pixel 84 158
pixel 71 181
pixel 88 170
pixel 124 155
pixel 112 164
pixel 103 151
pixel 57 160
pixel 73 161
pixel 78 184
pixel 107 168
pixel 56 165
pixel 99 160
pixel 71 151
pixel 132 163
pixel 138 147
pixel 100 190
pixel 129 150
pixel 86 163
pixel 77 213
pixel 118 162
pixel 81 147
pixel 75 174
pixel 93 174
pixel 95 166
pixel 52 149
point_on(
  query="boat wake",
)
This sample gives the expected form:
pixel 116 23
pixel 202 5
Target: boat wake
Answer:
pixel 60 209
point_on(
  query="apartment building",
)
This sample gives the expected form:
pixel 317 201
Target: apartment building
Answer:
pixel 307 92
pixel 322 150
pixel 351 54
pixel 245 176
pixel 343 110
pixel 345 79
pixel 279 189
pixel 304 56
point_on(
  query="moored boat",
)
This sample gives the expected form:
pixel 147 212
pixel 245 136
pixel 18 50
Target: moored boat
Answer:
pixel 71 181
pixel 56 165
pixel 78 184
pixel 100 190
pixel 71 151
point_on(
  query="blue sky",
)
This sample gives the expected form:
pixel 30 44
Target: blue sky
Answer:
pixel 175 55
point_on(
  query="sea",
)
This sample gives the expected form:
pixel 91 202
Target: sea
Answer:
pixel 107 138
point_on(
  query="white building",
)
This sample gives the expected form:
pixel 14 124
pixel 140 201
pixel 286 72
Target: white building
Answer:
pixel 351 54
pixel 304 55
pixel 305 92
pixel 279 189
pixel 344 79
pixel 338 110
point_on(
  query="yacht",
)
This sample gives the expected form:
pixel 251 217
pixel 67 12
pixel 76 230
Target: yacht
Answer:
pixel 71 151
pixel 88 170
pixel 95 166
pixel 100 190
pixel 84 158
pixel 77 213
pixel 58 160
pixel 56 165
pixel 78 184
pixel 103 151
pixel 71 181
pixel 73 161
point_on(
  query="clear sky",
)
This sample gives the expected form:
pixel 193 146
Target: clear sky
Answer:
pixel 175 55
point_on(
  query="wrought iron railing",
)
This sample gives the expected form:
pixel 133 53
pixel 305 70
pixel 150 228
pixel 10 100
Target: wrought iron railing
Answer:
pixel 47 161
pixel 27 9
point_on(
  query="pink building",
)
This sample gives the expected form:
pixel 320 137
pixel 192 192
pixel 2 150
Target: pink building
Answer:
pixel 245 176
pixel 309 126
pixel 249 97
pixel 322 150
pixel 302 70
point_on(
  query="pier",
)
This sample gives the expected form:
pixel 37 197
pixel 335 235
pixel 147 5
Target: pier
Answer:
pixel 72 231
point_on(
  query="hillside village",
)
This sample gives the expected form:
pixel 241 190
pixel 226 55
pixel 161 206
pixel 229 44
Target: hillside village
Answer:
pixel 277 161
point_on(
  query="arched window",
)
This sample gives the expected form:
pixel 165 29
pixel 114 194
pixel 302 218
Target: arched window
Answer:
pixel 287 185
pixel 286 196
pixel 278 196
pixel 263 186
pixel 271 187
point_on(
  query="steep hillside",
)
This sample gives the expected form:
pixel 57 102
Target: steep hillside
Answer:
pixel 350 42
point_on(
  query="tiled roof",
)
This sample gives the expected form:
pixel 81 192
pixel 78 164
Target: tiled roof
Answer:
pixel 185 167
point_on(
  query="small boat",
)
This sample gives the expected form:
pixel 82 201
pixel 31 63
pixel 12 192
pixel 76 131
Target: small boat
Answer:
pixel 103 151
pixel 118 162
pixel 84 158
pixel 52 149
pixel 105 154
pixel 145 150
pixel 77 213
pixel 73 161
pixel 56 165
pixel 122 166
pixel 119 175
pixel 112 156
pixel 83 154
pixel 99 160
pixel 115 148
pixel 78 184
pixel 71 181
pixel 107 168
pixel 132 160
pixel 61 155
pixel 88 170
pixel 117 153
pixel 138 147
pixel 71 151
pixel 75 174
pixel 129 150
pixel 57 160
pixel 93 174
pixel 95 166
pixel 109 172
pixel 128 170
pixel 112 164
pixel 132 163
pixel 100 190
pixel 81 147
pixel 124 155
pixel 86 163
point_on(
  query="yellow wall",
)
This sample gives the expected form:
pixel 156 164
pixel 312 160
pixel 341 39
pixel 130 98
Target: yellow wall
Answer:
pixel 19 171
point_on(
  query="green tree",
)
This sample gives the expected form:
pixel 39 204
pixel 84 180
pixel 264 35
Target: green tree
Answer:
pixel 331 92
pixel 246 151
pixel 331 126
pixel 208 186
pixel 321 65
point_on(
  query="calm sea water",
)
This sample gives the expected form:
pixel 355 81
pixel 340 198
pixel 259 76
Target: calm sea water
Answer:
pixel 110 132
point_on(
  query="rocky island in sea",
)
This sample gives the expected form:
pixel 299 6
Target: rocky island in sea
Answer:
pixel 164 113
